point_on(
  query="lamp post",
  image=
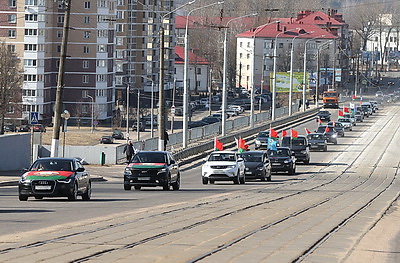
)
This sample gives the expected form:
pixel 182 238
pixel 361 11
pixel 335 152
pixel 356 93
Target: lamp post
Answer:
pixel 224 97
pixel 92 99
pixel 128 89
pixel 305 69
pixel 138 116
pixel 291 72
pixel 274 73
pixel 152 108
pixel 318 71
pixel 185 76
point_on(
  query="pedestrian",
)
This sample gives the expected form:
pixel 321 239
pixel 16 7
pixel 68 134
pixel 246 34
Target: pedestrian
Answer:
pixel 307 104
pixel 166 139
pixel 129 150
pixel 314 98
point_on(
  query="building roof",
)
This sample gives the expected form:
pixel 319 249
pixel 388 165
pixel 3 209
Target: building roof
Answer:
pixel 193 58
pixel 320 18
pixel 287 29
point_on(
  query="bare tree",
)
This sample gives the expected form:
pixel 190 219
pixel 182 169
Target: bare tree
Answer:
pixel 10 82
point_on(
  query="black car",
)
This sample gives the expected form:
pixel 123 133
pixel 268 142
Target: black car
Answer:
pixel 55 177
pixel 10 128
pixel 150 169
pixel 211 120
pixel 195 124
pixel 261 141
pixel 118 135
pixel 107 139
pixel 324 115
pixel 299 147
pixel 256 165
pixel 282 160
pixel 24 128
pixel 329 132
pixel 339 128
pixel 317 142
pixel 141 126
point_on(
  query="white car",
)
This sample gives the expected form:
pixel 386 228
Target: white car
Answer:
pixel 347 123
pixel 223 166
pixel 237 108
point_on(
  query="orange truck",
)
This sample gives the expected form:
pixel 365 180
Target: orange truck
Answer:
pixel 331 99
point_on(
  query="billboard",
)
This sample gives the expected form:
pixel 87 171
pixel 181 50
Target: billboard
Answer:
pixel 283 81
pixel 326 76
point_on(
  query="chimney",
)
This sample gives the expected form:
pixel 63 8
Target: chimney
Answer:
pixel 278 26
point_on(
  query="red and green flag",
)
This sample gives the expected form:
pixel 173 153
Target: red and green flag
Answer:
pixel 284 133
pixel 294 133
pixel 218 146
pixel 319 121
pixel 273 133
pixel 340 114
pixel 241 145
pixel 327 129
pixel 346 109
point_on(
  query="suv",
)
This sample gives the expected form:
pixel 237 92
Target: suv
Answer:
pixel 118 134
pixel 223 166
pixel 150 169
pixel 282 160
pixel 317 141
pixel 299 147
pixel 324 115
pixel 261 141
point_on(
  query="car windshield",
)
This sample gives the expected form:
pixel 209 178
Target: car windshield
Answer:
pixel 252 157
pixel 287 142
pixel 149 157
pixel 52 165
pixel 315 137
pixel 279 153
pixel 263 134
pixel 323 113
pixel 222 157
pixel 344 120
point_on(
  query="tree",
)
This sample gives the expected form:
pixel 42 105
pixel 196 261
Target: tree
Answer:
pixel 10 82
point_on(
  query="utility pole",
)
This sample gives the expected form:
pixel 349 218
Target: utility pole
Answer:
pixel 60 82
pixel 161 101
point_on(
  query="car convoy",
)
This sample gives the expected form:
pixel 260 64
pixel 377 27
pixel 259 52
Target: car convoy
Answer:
pixel 66 177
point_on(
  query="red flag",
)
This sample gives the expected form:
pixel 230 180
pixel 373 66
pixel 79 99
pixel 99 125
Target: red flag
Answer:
pixel 294 133
pixel 345 109
pixel 242 146
pixel 319 121
pixel 307 131
pixel 273 133
pixel 218 146
pixel 353 97
pixel 340 114
pixel 284 133
pixel 326 129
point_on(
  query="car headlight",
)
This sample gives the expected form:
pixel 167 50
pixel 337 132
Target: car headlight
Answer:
pixel 163 170
pixel 230 166
pixel 127 169
pixel 260 168
pixel 247 168
pixel 65 180
pixel 258 141
pixel 24 180
pixel 304 151
pixel 334 135
pixel 287 161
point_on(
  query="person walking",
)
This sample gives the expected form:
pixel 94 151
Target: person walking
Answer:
pixel 166 139
pixel 129 150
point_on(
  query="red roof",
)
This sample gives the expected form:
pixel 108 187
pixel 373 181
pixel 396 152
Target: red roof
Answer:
pixel 291 30
pixel 317 18
pixel 193 58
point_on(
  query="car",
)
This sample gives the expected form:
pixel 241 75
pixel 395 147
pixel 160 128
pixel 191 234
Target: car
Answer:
pixel 261 141
pixel 196 124
pixel 38 128
pixel 379 93
pixel 142 126
pixel 55 177
pixel 117 134
pixel 178 111
pixel 106 139
pixel 299 146
pixel 369 107
pixel 147 120
pixel 329 132
pixel 317 142
pixel 223 166
pixel 204 101
pixel 231 112
pixel 375 104
pixel 24 128
pixel 359 116
pixel 152 169
pixel 347 123
pixel 219 115
pixel 239 109
pixel 256 165
pixel 351 117
pixel 338 126
pixel 324 115
pixel 211 120
pixel 10 128
pixel 282 160
pixel 365 110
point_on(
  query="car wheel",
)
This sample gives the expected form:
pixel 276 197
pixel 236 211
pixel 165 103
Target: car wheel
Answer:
pixel 306 161
pixel 351 129
pixel 269 178
pixel 167 184
pixel 88 194
pixel 74 195
pixel 335 142
pixel 236 180
pixel 292 171
pixel 23 198
pixel 325 148
pixel 242 180
pixel 38 197
pixel 137 187
pixel 205 180
pixel 177 184
pixel 263 177
pixel 127 187
pixel 212 181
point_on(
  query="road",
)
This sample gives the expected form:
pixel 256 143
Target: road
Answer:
pixel 321 214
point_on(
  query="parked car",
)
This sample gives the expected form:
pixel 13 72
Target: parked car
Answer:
pixel 107 139
pixel 329 132
pixel 141 126
pixel 24 128
pixel 38 128
pixel 152 169
pixel 178 111
pixel 117 134
pixel 223 166
pixel 239 109
pixel 147 121
pixel 55 177
pixel 282 160
pixel 324 115
pixel 299 146
pixel 10 128
pixel 256 165
pixel 211 120
pixel 196 124
pixel 317 142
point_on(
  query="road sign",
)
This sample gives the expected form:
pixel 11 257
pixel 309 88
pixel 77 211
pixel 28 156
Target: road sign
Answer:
pixel 34 118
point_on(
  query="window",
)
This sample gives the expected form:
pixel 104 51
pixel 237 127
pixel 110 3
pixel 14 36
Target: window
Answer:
pixel 31 17
pixel 85 79
pixel 101 48
pixel 120 15
pixel 11 48
pixel 248 44
pixel 10 109
pixel 102 33
pixel 85 108
pixel 86 20
pixel 85 64
pixel 60 19
pixel 280 45
pixel 101 78
pixel 120 54
pixel 58 48
pixel 85 93
pixel 31 32
pixel 30 62
pixel 198 71
pixel 120 41
pixel 86 5
pixel 119 80
pixel 240 55
pixel 85 49
pixel 100 93
pixel 248 67
pixel 59 34
pixel 198 83
pixel 119 28
pixel 31 2
pixel 12 18
pixel 248 56
pixel 120 2
pixel 102 3
pixel 102 63
pixel 119 67
pixel 376 39
pixel 12 3
pixel 29 77
pixel 86 34
pixel 240 44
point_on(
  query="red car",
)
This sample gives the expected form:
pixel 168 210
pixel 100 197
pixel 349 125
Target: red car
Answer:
pixel 39 128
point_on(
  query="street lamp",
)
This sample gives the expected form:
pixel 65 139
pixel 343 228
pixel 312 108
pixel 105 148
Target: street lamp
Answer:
pixel 92 99
pixel 304 69
pixel 224 97
pixel 274 72
pixel 185 76
pixel 291 72
pixel 152 107
pixel 128 89
pixel 318 71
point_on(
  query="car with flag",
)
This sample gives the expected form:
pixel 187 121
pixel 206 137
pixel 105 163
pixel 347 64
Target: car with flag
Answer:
pixel 329 132
pixel 55 177
pixel 317 142
pixel 282 159
pixel 299 146
pixel 346 122
pixel 262 139
pixel 152 169
pixel 338 126
pixel 257 165
pixel 223 166
pixel 324 115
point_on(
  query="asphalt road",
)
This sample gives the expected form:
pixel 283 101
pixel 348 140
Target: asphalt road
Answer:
pixel 320 214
